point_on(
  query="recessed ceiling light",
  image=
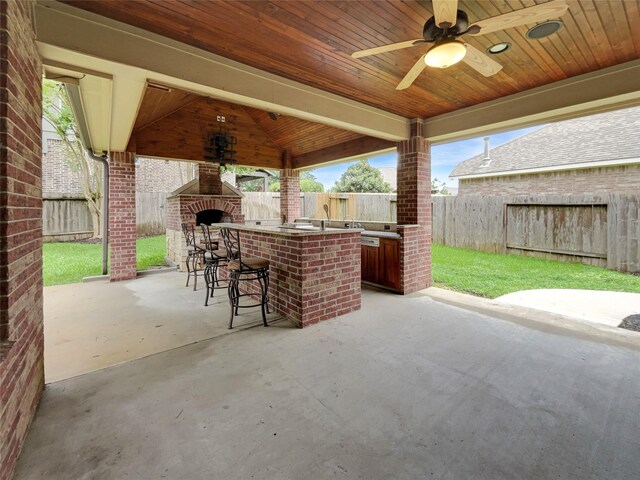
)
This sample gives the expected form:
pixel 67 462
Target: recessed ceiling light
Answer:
pixel 498 48
pixel 544 29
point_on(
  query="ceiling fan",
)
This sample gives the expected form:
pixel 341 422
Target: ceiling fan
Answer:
pixel 448 24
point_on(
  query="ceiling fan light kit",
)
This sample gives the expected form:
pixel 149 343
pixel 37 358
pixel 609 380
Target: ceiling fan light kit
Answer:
pixel 445 53
pixel 448 24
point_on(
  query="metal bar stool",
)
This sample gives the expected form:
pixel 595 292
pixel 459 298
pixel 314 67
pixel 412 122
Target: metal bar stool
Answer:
pixel 244 269
pixel 195 254
pixel 214 257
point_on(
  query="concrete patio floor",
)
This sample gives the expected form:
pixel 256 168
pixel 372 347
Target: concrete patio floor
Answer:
pixel 405 388
pixel 90 326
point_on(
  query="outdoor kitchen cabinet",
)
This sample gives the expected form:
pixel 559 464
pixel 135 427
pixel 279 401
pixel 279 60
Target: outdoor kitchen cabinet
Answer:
pixel 381 262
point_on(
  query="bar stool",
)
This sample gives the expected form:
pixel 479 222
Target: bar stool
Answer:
pixel 214 257
pixel 244 269
pixel 195 254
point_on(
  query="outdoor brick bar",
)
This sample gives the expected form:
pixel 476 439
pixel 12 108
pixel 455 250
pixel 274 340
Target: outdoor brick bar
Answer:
pixel 314 274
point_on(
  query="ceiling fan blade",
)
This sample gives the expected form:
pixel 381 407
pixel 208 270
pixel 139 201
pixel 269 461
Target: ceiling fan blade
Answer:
pixel 412 74
pixel 537 13
pixel 481 62
pixel 387 48
pixel 445 12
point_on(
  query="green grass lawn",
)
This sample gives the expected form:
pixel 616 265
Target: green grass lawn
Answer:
pixel 492 275
pixel 71 262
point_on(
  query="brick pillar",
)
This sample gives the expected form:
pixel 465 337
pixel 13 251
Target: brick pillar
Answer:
pixel 21 318
pixel 414 210
pixel 209 180
pixel 290 206
pixel 122 215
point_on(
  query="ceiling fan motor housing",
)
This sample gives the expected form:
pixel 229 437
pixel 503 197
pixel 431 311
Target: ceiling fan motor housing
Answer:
pixel 432 32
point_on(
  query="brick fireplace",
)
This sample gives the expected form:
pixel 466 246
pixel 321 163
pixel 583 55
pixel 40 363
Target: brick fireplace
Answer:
pixel 205 199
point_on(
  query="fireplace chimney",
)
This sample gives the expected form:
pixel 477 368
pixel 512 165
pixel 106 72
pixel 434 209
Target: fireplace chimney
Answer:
pixel 209 181
pixel 487 159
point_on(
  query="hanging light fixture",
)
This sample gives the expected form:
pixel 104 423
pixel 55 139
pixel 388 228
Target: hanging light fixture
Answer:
pixel 445 53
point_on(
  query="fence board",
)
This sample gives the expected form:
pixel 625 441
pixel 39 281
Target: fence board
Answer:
pixel 65 216
pixel 151 213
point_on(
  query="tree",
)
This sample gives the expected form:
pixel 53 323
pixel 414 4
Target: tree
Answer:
pixel 439 187
pixel 308 183
pixel 56 109
pixel 362 177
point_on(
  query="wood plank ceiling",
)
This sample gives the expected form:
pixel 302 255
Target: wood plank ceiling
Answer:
pixel 172 123
pixel 311 42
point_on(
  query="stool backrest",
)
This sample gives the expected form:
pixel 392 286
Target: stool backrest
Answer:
pixel 231 240
pixel 189 234
pixel 207 237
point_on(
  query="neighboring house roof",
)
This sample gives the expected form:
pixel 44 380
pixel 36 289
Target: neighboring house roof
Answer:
pixel 598 140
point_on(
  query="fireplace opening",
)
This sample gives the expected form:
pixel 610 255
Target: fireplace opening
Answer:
pixel 208 217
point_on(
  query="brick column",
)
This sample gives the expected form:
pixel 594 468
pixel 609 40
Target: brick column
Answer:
pixel 290 206
pixel 209 180
pixel 414 210
pixel 21 318
pixel 122 215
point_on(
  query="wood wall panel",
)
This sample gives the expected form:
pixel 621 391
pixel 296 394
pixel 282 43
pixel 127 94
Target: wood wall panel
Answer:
pixel 158 103
pixel 299 136
pixel 183 134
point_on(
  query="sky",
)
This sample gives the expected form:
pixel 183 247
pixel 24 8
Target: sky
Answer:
pixel 444 158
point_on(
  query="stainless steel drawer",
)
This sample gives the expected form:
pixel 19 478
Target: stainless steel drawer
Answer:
pixel 370 241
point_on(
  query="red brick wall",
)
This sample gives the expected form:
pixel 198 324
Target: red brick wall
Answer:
pixel 183 208
pixel 290 205
pixel 209 180
pixel 414 208
pixel 58 178
pixel 122 216
pixel 313 278
pixel 21 326
pixel 618 179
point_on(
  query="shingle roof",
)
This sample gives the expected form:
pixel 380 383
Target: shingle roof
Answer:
pixel 596 138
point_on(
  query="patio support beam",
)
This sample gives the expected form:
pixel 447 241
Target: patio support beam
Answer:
pixel 122 215
pixel 414 210
pixel 21 316
pixel 290 205
pixel 350 150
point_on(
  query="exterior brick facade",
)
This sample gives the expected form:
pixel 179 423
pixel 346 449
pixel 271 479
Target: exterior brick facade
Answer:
pixel 122 216
pixel 414 214
pixel 290 205
pixel 155 175
pixel 59 180
pixel 21 317
pixel 615 179
pixel 298 269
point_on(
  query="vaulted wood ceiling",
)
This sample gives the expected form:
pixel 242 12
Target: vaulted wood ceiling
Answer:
pixel 172 123
pixel 311 42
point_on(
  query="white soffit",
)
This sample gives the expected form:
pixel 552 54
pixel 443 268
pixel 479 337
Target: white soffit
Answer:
pixel 75 37
pixel 604 90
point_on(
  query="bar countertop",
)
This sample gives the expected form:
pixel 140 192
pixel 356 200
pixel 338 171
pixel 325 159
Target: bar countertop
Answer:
pixel 288 232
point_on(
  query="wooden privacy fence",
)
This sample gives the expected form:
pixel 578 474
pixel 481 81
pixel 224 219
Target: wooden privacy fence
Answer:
pixel 600 230
pixel 151 213
pixel 361 206
pixel 70 219
pixel 64 218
